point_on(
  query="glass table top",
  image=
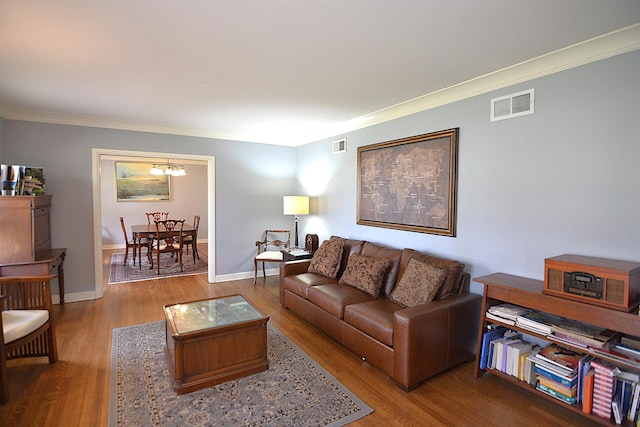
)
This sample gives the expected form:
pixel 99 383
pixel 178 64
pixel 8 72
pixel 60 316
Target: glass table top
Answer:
pixel 213 313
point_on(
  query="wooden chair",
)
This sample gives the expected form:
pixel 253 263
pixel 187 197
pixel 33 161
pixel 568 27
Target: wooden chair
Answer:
pixel 269 249
pixel 167 239
pixel 129 243
pixel 192 239
pixel 26 323
pixel 157 216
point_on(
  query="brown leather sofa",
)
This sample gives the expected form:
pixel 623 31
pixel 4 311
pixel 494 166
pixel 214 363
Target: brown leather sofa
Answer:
pixel 410 344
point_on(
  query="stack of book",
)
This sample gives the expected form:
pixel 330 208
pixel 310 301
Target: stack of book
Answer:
pixel 537 321
pixel 582 334
pixel 557 372
pixel 623 351
pixel 506 313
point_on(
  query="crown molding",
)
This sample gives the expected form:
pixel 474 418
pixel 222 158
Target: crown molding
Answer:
pixel 615 43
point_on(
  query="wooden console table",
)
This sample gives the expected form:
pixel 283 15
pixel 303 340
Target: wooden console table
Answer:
pixel 49 262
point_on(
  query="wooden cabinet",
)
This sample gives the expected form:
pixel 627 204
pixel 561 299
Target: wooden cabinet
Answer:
pixel 505 288
pixel 26 228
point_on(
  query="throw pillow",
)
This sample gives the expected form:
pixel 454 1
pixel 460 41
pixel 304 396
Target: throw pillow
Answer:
pixel 326 260
pixel 419 284
pixel 365 273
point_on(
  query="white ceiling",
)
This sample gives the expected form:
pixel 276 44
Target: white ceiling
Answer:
pixel 284 71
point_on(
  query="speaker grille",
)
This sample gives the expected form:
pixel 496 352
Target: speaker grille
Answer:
pixel 554 280
pixel 615 291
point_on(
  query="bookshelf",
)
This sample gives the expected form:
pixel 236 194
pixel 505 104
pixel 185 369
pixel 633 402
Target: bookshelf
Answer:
pixel 505 288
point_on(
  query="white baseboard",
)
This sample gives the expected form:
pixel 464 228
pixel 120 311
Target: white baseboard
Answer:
pixel 247 275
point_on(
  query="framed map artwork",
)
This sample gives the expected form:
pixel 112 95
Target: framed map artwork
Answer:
pixel 410 183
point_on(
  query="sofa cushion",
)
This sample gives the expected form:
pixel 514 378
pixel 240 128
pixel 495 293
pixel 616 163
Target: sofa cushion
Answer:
pixel 299 284
pixel 365 273
pixel 351 247
pixel 419 284
pixel 374 318
pixel 334 298
pixel 453 269
pixel 391 254
pixel 326 260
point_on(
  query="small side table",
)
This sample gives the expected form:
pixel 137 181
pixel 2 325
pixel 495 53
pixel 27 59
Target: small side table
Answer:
pixel 295 254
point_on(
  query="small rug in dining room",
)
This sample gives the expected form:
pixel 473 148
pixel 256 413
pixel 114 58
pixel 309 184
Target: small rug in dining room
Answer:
pixel 168 268
pixel 294 391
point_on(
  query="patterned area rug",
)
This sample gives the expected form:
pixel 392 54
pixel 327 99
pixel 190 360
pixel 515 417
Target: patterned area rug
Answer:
pixel 294 391
pixel 133 273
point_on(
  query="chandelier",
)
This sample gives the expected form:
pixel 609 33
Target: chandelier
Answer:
pixel 168 169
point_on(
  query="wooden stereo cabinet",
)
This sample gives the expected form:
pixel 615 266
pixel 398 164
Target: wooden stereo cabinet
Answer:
pixel 505 288
pixel 606 282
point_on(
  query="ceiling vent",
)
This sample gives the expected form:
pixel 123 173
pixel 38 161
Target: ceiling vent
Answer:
pixel 514 105
pixel 339 146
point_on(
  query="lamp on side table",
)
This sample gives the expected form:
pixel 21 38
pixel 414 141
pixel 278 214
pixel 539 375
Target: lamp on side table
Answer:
pixel 296 205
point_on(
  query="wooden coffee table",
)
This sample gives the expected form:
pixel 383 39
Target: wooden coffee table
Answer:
pixel 214 340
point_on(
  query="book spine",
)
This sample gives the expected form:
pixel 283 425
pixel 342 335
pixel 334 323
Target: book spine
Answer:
pixel 555 377
pixel 569 392
pixel 587 392
pixel 560 396
pixel 487 337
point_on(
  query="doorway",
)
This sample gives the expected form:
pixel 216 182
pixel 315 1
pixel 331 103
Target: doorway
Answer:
pixel 97 154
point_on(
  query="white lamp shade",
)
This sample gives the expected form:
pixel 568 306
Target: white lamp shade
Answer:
pixel 296 205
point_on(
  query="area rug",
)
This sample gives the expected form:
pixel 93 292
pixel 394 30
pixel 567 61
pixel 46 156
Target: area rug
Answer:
pixel 133 273
pixel 294 391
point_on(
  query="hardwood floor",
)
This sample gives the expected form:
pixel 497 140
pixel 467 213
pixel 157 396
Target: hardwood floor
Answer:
pixel 75 390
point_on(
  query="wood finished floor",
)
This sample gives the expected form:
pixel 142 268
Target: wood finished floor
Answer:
pixel 75 390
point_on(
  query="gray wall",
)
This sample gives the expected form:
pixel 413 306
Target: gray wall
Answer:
pixel 187 198
pixel 563 180
pixel 2 157
pixel 250 182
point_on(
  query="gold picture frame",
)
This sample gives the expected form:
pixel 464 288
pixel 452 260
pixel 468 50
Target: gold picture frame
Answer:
pixel 134 183
pixel 410 183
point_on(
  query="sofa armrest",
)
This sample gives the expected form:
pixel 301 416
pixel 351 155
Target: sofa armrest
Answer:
pixel 430 338
pixel 290 268
pixel 294 267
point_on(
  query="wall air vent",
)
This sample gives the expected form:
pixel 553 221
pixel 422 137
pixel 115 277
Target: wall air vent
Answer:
pixel 514 105
pixel 339 146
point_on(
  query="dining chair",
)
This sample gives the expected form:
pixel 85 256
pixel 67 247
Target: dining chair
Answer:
pixel 269 249
pixel 26 323
pixel 167 239
pixel 191 239
pixel 157 216
pixel 129 243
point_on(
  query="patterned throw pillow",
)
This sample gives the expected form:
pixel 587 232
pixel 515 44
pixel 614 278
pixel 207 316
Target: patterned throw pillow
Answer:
pixel 326 260
pixel 419 284
pixel 365 273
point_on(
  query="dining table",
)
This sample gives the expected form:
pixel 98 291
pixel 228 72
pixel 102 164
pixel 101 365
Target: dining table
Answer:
pixel 147 231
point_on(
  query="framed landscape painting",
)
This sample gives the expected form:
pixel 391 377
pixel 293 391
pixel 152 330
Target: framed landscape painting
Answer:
pixel 134 183
pixel 410 183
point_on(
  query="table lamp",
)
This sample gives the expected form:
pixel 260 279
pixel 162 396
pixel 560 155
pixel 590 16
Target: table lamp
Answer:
pixel 296 205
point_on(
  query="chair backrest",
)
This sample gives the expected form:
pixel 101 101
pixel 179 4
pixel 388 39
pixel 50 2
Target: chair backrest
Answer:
pixel 157 216
pixel 274 239
pixel 124 230
pixel 196 221
pixel 170 230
